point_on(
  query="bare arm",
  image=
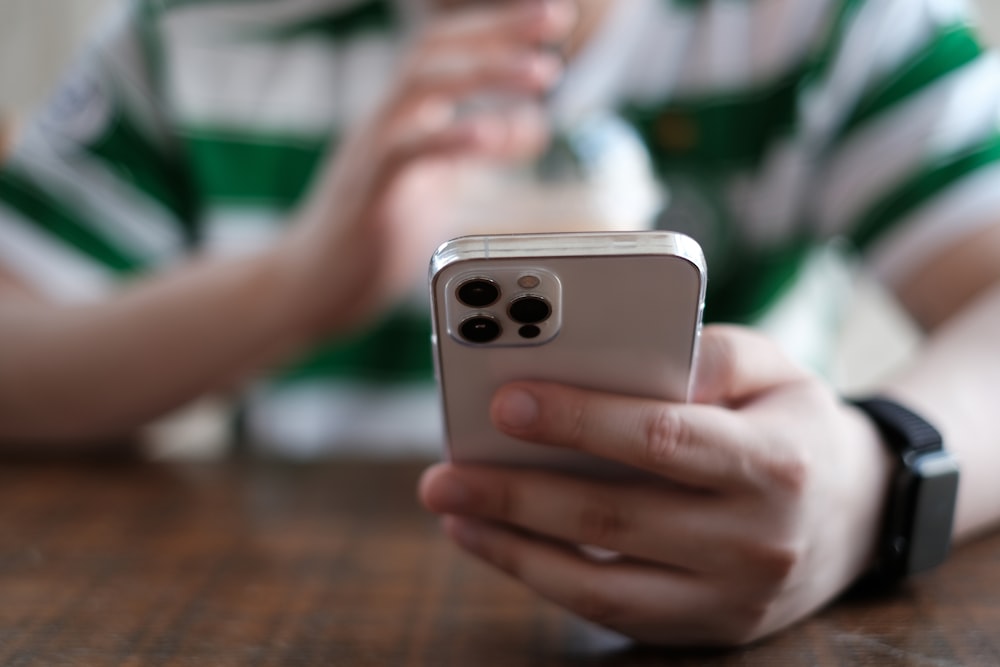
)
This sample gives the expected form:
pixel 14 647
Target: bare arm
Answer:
pixel 88 372
pixel 93 371
pixel 955 378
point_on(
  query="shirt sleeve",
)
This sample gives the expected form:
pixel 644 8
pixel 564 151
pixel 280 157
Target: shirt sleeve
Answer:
pixel 908 104
pixel 94 190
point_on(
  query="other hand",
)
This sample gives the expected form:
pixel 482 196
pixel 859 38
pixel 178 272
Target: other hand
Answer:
pixel 375 214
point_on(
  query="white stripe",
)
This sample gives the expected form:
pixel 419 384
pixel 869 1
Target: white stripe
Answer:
pixel 236 231
pixel 593 80
pixel 300 88
pixel 905 27
pixel 784 32
pixel 968 207
pixel 949 116
pixel 125 216
pixel 720 47
pixel 719 59
pixel 316 419
pixel 661 36
pixel 972 111
pixel 827 106
pixel 367 71
pixel 51 267
pixel 770 199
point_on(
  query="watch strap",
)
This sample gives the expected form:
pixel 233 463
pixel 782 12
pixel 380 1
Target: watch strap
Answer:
pixel 906 433
pixel 916 529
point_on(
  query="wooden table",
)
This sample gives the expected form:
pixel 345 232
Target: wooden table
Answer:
pixel 134 563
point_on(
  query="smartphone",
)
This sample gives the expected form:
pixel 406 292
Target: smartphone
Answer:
pixel 618 312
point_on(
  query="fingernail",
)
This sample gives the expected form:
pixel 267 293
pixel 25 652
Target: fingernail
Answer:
pixel 517 409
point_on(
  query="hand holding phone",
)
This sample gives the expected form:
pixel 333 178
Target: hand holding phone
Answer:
pixel 618 312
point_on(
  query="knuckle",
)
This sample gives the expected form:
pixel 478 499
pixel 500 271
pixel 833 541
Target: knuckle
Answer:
pixel 507 503
pixel 777 563
pixel 601 524
pixel 662 431
pixel 789 473
pixel 773 563
pixel 577 424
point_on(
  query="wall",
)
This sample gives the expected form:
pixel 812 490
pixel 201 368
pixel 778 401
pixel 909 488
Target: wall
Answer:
pixel 37 38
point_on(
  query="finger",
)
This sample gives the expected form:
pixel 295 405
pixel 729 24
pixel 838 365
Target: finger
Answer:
pixel 649 603
pixel 500 25
pixel 371 161
pixel 736 363
pixel 517 133
pixel 454 79
pixel 499 136
pixel 686 530
pixel 700 446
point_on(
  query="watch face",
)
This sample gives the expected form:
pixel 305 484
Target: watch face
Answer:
pixel 934 494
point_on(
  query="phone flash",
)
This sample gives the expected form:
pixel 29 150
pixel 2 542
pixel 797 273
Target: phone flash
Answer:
pixel 528 282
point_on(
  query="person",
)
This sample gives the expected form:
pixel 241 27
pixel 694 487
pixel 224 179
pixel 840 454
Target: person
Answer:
pixel 146 259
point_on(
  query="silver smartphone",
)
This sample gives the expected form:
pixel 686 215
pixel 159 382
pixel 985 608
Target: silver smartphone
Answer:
pixel 618 312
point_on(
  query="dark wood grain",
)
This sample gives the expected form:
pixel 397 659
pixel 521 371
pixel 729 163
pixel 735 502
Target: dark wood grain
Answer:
pixel 252 564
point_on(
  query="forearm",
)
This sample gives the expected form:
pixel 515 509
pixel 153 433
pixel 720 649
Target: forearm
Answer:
pixel 954 383
pixel 87 372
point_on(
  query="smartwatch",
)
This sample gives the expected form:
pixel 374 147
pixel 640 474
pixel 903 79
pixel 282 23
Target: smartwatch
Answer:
pixel 920 509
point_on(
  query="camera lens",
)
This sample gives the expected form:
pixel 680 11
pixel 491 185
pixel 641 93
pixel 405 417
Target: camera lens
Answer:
pixel 478 292
pixel 529 310
pixel 529 331
pixel 480 329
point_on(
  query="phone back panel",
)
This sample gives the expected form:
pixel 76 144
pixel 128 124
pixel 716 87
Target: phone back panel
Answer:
pixel 625 318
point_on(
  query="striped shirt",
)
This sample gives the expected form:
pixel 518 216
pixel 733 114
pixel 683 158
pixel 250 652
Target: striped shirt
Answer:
pixel 773 125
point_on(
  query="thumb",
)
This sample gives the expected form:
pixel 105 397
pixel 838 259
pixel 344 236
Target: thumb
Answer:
pixel 736 363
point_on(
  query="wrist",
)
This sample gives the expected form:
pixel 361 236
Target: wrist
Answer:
pixel 871 489
pixel 323 293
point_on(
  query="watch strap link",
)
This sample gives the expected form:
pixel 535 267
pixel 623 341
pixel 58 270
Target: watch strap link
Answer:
pixel 905 432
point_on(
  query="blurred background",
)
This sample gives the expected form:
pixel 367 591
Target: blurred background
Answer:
pixel 39 37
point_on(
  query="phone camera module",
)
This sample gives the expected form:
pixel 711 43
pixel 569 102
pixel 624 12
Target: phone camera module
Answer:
pixel 480 329
pixel 478 292
pixel 529 310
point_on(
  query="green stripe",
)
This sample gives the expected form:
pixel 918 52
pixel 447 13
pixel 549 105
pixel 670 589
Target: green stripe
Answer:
pixel 137 161
pixel 753 281
pixel 271 171
pixel 920 189
pixel 370 16
pixel 953 48
pixel 735 129
pixel 397 350
pixel 723 130
pixel 63 222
